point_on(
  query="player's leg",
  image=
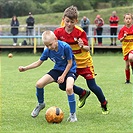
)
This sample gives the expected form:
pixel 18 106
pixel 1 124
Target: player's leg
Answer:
pixel 71 99
pixel 127 71
pixel 130 57
pixel 98 92
pixel 82 93
pixel 41 83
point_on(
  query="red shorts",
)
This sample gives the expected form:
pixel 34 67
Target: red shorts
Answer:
pixel 126 56
pixel 87 73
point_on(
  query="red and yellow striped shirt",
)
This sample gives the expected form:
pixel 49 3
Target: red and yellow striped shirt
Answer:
pixel 127 43
pixel 82 57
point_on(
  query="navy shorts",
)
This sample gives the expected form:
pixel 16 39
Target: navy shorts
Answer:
pixel 56 73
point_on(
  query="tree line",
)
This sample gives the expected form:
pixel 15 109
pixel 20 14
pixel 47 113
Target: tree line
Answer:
pixel 8 8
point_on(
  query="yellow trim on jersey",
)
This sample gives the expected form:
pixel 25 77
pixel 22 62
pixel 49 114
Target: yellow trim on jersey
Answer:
pixel 79 28
pixel 127 44
pixel 82 57
pixel 62 23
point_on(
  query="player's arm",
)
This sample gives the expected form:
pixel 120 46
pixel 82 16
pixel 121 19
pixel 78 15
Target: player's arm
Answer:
pixel 121 39
pixel 31 66
pixel 82 45
pixel 122 34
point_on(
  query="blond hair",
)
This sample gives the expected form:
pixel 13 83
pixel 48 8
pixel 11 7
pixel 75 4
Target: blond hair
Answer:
pixel 48 36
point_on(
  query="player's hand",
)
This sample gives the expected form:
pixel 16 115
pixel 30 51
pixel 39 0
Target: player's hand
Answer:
pixel 80 43
pixel 21 69
pixel 125 34
pixel 60 80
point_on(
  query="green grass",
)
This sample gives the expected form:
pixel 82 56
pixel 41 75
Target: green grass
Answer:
pixel 18 98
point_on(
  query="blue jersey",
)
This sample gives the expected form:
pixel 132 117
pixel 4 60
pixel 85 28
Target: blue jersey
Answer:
pixel 60 57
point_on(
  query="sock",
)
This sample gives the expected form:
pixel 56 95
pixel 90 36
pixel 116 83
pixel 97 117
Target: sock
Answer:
pixel 72 103
pixel 83 93
pixel 104 103
pixel 77 90
pixel 40 95
pixel 127 72
pixel 96 90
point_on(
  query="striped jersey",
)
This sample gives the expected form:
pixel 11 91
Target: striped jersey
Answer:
pixel 127 43
pixel 82 57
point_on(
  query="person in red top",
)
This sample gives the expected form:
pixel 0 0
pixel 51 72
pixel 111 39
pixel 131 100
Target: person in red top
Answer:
pixel 126 37
pixel 99 22
pixel 77 39
pixel 114 19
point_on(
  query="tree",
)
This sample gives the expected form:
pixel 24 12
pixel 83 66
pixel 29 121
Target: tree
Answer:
pixel 94 4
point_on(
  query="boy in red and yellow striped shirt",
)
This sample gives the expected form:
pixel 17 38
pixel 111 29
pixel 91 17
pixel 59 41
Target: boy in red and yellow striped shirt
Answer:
pixel 126 37
pixel 77 39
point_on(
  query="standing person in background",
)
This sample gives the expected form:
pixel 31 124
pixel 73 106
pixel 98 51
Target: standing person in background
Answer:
pixel 85 22
pixel 114 19
pixel 14 28
pixel 99 22
pixel 30 28
pixel 126 37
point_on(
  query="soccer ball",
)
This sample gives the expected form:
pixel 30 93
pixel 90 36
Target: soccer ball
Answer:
pixel 54 115
pixel 10 55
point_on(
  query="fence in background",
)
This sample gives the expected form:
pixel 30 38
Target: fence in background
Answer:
pixel 38 30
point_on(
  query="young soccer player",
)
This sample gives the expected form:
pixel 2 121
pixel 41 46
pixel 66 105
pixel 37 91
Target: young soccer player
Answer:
pixel 77 39
pixel 126 37
pixel 63 72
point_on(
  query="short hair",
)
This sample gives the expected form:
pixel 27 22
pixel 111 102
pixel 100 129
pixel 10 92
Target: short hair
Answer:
pixel 129 15
pixel 71 12
pixel 48 36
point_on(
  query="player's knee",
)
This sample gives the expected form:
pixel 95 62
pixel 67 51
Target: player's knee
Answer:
pixel 39 84
pixel 69 91
pixel 131 59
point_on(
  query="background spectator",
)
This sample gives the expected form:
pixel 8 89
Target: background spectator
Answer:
pixel 99 22
pixel 14 28
pixel 85 22
pixel 114 19
pixel 30 28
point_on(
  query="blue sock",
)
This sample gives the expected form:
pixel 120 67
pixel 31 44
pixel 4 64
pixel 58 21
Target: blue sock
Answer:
pixel 40 95
pixel 72 103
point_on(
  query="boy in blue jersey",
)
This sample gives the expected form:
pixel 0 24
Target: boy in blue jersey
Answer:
pixel 63 72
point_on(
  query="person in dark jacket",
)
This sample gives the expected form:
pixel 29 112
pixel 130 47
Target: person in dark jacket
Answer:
pixel 30 27
pixel 14 28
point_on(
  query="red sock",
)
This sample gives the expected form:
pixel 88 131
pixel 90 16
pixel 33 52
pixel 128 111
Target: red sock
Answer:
pixel 104 103
pixel 83 93
pixel 127 72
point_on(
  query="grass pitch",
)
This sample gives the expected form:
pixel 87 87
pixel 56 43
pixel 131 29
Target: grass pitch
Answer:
pixel 18 99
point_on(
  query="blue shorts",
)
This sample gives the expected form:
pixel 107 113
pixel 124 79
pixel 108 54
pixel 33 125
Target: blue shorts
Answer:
pixel 56 73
